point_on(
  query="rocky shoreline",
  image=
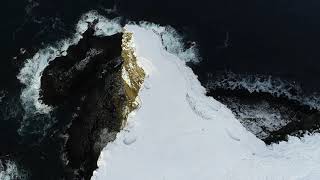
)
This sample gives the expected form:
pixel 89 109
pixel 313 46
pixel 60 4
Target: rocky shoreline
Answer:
pixel 89 82
pixel 253 109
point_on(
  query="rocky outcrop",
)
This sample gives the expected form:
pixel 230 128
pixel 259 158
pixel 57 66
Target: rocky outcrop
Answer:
pixel 132 75
pixel 270 118
pixel 98 83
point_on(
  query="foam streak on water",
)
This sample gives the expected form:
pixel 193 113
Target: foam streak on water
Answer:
pixel 174 42
pixel 264 84
pixel 10 171
pixel 30 74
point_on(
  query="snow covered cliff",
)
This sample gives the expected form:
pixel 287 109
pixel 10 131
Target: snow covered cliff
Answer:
pixel 179 133
pixel 171 129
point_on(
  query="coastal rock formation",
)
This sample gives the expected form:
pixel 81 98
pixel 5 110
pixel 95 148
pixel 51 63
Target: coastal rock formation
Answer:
pixel 98 80
pixel 272 119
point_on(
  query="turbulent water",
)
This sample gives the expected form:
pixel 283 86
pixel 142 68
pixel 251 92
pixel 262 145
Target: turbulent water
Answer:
pixel 260 58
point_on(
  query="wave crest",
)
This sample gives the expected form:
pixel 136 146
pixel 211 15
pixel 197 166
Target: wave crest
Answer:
pixel 10 171
pixel 174 43
pixel 263 84
pixel 30 74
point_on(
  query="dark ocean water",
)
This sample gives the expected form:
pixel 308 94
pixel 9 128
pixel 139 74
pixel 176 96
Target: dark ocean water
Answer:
pixel 268 37
pixel 253 36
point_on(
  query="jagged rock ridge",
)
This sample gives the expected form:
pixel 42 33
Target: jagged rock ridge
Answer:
pixel 89 81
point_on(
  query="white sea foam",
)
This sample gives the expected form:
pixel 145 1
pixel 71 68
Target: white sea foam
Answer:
pixel 11 172
pixel 262 83
pixel 170 138
pixel 261 118
pixel 219 148
pixel 174 42
pixel 2 95
pixel 105 26
pixel 30 74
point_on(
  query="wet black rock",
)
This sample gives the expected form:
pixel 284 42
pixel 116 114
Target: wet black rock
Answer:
pixel 87 83
pixel 270 118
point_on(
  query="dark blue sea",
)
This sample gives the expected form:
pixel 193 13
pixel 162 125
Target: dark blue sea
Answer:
pixel 265 38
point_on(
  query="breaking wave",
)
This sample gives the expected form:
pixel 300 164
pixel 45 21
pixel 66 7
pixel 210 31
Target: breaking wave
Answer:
pixel 261 117
pixel 2 95
pixel 105 26
pixel 10 171
pixel 174 42
pixel 37 117
pixel 263 84
pixel 30 74
pixel 267 106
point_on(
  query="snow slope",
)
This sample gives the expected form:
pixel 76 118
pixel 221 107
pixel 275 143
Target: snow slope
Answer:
pixel 180 134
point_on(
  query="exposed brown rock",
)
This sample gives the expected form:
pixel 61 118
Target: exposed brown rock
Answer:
pixel 89 81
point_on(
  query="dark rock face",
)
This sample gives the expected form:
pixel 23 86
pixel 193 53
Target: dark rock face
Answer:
pixel 87 83
pixel 283 116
